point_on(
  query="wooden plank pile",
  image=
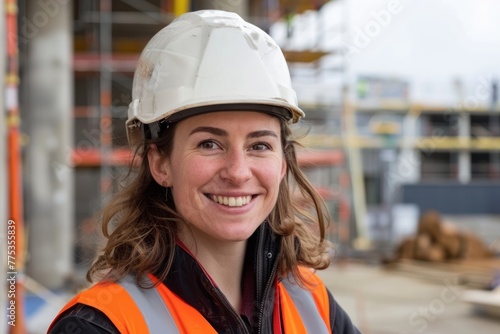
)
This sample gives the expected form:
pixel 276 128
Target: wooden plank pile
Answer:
pixel 439 241
pixel 439 249
pixel 475 274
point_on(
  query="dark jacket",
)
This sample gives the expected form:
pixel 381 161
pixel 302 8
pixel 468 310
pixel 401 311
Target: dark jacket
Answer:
pixel 188 280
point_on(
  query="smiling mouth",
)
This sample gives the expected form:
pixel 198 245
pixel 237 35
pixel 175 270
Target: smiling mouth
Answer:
pixel 231 201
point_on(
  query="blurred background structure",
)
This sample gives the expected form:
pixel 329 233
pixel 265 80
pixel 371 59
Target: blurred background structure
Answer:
pixel 401 98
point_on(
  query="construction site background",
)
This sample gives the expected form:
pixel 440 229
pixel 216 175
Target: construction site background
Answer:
pixel 403 143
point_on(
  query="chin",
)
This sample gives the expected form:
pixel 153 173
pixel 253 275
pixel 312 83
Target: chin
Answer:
pixel 236 234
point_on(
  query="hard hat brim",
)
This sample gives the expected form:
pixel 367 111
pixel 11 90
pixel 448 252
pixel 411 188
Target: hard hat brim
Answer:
pixel 153 129
pixel 278 111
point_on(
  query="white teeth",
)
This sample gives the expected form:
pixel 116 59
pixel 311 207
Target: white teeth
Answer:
pixel 232 201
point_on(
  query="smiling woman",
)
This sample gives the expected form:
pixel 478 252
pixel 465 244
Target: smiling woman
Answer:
pixel 206 237
pixel 234 156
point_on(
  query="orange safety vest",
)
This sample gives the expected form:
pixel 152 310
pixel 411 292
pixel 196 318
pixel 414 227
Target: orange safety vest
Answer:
pixel 158 310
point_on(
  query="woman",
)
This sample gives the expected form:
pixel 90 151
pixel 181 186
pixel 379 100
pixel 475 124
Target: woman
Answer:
pixel 206 238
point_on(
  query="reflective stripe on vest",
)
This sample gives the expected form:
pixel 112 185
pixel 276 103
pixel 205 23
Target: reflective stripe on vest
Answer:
pixel 159 320
pixel 153 308
pixel 306 306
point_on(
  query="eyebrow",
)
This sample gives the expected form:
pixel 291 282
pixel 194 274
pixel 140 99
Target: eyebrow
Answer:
pixel 223 133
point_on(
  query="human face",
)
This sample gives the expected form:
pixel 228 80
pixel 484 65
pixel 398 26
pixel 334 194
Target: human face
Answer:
pixel 225 170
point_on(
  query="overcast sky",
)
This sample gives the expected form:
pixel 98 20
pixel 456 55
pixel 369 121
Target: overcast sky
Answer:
pixel 428 42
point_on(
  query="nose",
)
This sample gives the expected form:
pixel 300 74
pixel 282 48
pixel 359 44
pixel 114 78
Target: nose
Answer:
pixel 236 167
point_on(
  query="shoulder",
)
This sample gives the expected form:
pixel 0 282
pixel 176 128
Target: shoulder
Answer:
pixel 110 301
pixel 340 321
pixel 83 319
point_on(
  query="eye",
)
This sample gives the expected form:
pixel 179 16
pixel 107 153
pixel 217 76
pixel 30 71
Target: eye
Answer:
pixel 208 144
pixel 261 147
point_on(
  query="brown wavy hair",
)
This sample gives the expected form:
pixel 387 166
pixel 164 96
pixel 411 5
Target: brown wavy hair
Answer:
pixel 140 222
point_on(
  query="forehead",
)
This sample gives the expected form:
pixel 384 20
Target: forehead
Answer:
pixel 241 120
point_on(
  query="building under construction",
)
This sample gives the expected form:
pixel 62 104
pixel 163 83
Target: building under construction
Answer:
pixel 402 139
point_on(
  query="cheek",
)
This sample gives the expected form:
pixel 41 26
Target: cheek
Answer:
pixel 188 177
pixel 186 170
pixel 273 175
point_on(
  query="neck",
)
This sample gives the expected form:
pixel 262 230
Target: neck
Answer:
pixel 223 261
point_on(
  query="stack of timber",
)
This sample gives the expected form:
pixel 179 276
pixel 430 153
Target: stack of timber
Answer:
pixel 440 250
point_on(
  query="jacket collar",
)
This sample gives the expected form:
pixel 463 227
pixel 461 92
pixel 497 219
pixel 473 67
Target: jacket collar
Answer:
pixel 190 282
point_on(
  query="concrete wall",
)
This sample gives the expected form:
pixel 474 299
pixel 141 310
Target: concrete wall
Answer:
pixel 454 198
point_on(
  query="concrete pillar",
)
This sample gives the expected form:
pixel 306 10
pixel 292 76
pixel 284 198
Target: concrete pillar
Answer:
pixel 464 156
pixel 3 172
pixel 47 30
pixel 408 166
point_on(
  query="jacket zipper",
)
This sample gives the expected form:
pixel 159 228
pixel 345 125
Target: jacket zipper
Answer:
pixel 260 259
pixel 231 309
pixel 266 291
pixel 217 291
pixel 260 251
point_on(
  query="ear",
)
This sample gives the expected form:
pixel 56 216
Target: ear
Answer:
pixel 159 167
pixel 283 168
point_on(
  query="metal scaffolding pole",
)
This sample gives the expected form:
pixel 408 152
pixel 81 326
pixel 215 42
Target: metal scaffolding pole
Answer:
pixel 105 87
pixel 3 172
pixel 15 224
pixel 49 87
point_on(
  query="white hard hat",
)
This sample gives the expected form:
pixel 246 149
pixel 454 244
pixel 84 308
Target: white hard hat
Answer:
pixel 208 61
